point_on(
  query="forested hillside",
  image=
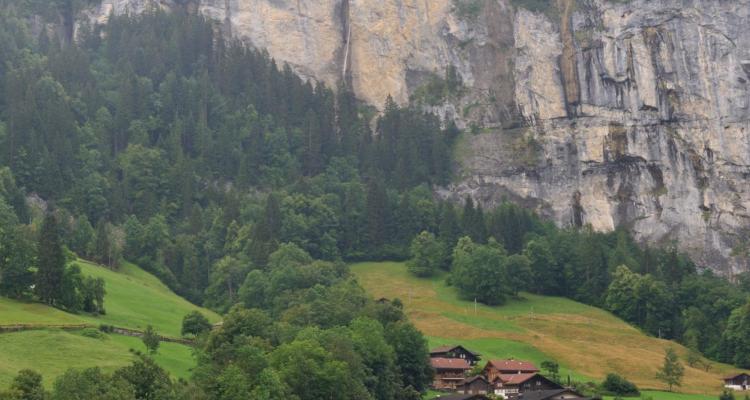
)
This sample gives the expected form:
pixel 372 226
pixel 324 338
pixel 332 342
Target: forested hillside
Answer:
pixel 164 141
pixel 154 139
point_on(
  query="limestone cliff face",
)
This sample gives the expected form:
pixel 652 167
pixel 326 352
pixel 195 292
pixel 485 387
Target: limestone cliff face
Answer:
pixel 637 115
pixel 600 112
pixel 377 47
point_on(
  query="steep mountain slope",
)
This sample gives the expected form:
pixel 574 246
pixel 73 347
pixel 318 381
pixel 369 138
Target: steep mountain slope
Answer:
pixel 586 341
pixel 600 112
pixel 134 300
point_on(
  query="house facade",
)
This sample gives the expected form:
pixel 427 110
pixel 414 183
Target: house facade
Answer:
pixel 475 385
pixel 512 386
pixel 449 372
pixel 557 394
pixel 464 397
pixel 739 381
pixel 456 351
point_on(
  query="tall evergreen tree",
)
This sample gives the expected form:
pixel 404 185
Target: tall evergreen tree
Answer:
pixel 267 232
pixel 377 213
pixel 103 244
pixel 51 262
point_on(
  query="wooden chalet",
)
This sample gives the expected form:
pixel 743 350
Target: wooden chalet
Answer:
pixel 740 381
pixel 475 385
pixel 464 397
pixel 556 394
pixel 511 386
pixel 456 351
pixel 449 372
pixel 495 368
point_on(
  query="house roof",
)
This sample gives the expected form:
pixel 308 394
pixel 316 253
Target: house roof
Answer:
pixel 449 363
pixel 513 365
pixel 515 379
pixel 464 397
pixel 546 394
pixel 448 348
pixel 474 378
pixel 735 375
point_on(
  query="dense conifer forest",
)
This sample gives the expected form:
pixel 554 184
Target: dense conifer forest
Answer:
pixel 246 189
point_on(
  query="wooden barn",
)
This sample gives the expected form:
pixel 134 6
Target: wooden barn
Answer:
pixel 740 381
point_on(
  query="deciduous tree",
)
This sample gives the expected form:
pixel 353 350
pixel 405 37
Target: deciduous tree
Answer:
pixel 672 371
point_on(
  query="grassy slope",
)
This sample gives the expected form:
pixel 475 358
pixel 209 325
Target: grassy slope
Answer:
pixel 51 352
pixel 586 341
pixel 134 300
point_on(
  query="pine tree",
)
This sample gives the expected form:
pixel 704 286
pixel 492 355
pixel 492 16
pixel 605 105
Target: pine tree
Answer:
pixel 51 262
pixel 377 214
pixel 102 244
pixel 449 229
pixel 267 232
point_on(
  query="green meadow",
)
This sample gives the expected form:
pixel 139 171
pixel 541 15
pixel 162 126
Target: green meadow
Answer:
pixel 134 299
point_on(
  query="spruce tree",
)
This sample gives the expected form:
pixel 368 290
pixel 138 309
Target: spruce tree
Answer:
pixel 377 214
pixel 51 262
pixel 266 233
pixel 102 245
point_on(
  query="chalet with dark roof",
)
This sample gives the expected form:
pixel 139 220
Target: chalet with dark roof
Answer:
pixel 456 351
pixel 449 372
pixel 511 386
pixel 464 397
pixel 475 385
pixel 556 394
pixel 739 381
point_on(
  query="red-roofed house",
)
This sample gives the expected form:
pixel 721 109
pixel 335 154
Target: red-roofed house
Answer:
pixel 507 367
pixel 449 372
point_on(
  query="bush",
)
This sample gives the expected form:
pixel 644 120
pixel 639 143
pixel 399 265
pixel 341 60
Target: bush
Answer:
pixel 151 339
pixel 617 385
pixel 93 333
pixel 195 323
pixel 468 9
pixel 106 328
pixel 727 395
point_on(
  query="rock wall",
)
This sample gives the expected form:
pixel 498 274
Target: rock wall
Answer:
pixel 600 112
pixel 638 116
